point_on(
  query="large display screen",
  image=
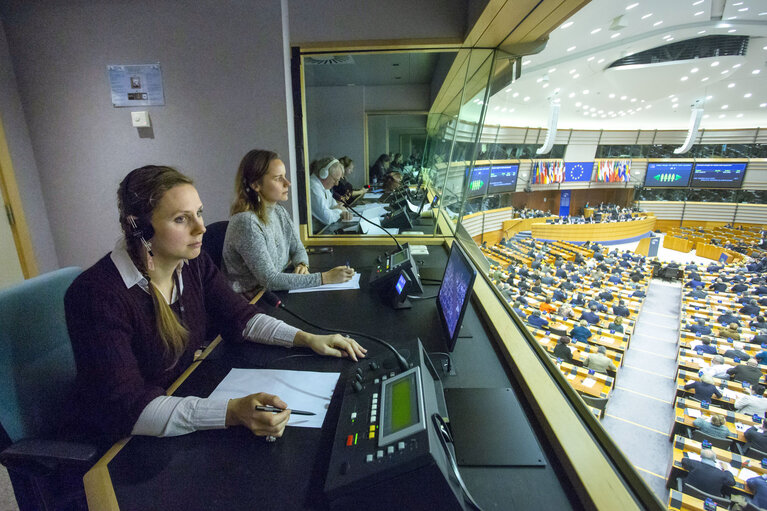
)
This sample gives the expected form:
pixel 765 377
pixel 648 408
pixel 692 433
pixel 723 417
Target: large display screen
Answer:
pixel 454 293
pixel 480 177
pixel 668 174
pixel 718 175
pixel 503 178
pixel 578 170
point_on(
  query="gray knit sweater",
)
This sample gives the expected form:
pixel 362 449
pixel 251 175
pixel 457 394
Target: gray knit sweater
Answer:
pixel 256 253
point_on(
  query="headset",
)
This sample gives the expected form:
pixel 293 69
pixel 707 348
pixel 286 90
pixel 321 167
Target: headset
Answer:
pixel 325 171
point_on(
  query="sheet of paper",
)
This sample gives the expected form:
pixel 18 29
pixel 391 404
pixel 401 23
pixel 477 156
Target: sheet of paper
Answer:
pixel 739 426
pixel 746 474
pixel 589 382
pixel 570 376
pixel 354 283
pixel 373 230
pixel 693 456
pixel 301 390
pixel 691 412
pixel 373 195
pixel 607 340
pixel 372 210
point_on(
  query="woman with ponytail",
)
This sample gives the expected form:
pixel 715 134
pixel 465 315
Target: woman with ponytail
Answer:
pixel 137 316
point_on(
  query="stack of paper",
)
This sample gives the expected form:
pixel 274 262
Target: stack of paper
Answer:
pixel 691 412
pixel 354 283
pixel 746 474
pixel 589 382
pixel 693 456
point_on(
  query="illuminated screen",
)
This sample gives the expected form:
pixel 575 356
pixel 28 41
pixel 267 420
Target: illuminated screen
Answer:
pixel 578 170
pixel 401 405
pixel 400 284
pixel 480 176
pixel 454 293
pixel 503 178
pixel 668 174
pixel 718 175
pixel 398 258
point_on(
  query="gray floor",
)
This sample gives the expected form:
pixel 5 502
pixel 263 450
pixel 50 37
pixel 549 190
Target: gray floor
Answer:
pixel 639 414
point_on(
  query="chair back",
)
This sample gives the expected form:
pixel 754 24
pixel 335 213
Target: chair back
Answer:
pixel 595 402
pixel 750 506
pixel 753 452
pixel 719 443
pixel 37 365
pixel 213 240
pixel 723 502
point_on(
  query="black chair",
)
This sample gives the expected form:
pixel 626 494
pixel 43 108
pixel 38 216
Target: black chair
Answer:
pixel 720 443
pixel 750 506
pixel 750 451
pixel 37 369
pixel 213 240
pixel 687 489
pixel 596 402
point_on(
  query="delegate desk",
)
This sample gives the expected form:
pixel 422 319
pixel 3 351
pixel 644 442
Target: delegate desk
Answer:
pixel 232 469
pixel 597 232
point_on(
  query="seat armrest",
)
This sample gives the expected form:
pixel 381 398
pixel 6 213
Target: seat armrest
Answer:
pixel 48 454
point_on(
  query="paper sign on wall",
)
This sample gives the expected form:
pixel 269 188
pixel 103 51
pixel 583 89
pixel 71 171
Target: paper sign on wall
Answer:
pixel 136 85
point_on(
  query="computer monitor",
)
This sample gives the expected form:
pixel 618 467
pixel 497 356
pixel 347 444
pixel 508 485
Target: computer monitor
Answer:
pixel 503 178
pixel 480 176
pixel 455 293
pixel 718 175
pixel 668 174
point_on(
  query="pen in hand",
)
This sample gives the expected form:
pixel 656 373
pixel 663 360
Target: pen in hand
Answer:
pixel 274 409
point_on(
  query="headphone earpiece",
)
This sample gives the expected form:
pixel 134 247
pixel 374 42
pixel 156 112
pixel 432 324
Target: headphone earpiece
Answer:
pixel 324 171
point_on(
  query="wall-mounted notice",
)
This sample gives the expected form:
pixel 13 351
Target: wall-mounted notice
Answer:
pixel 136 85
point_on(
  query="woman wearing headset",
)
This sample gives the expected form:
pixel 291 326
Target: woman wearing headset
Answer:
pixel 261 240
pixel 136 317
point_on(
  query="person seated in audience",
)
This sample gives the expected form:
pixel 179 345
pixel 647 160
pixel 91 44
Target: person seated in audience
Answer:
pixel 697 293
pixel 695 278
pixel 719 286
pixel 715 428
pixel 537 287
pixel 757 437
pixel 713 268
pixel 581 332
pixel 522 298
pixel 606 296
pixel 600 362
pixel 261 241
pixel 758 486
pixel 638 293
pixel 748 372
pixel 518 309
pixel 561 273
pixel 566 311
pixel 567 285
pixel 547 279
pixel 730 332
pixel 737 352
pixel 706 347
pixel 701 327
pixel 562 350
pixel 545 306
pixel 392 182
pixel 325 175
pixel 597 276
pixel 621 309
pixel 703 389
pixel 739 288
pixel 537 321
pixel 758 323
pixel 558 295
pixel 636 275
pixel 578 300
pixel 751 308
pixel 591 316
pixel 753 403
pixel 727 318
pixel 744 299
pixel 616 325
pixel 615 279
pixel 717 369
pixel 599 306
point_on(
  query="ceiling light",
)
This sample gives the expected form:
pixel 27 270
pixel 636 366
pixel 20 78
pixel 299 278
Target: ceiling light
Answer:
pixel 633 100
pixel 545 85
pixel 732 17
pixel 552 70
pixel 743 9
pixel 572 71
pixel 701 32
pixel 684 78
pixel 586 91
pixel 497 108
pixel 730 86
pixel 699 13
pixel 503 109
pixel 557 89
pixel 731 31
pixel 511 110
pixel 725 71
pixel 725 107
pixel 715 63
pixel 527 98
pixel 568 24
pixel 763 13
pixel 647 107
pixel 612 96
pixel 704 79
pixel 617 34
pixel 576 76
pixel 571 48
pixel 722 116
pixel 709 97
pixel 698 2
pixel 515 95
pixel 736 66
pixel 747 95
pixel 739 116
pixel 624 98
pixel 595 31
pixel 657 23
pixel 539 80
pixel 671 95
pixel 527 62
pixel 694 70
pixel 737 4
pixel 600 61
pixel 762 105
pixel 639 109
pixel 571 95
pixel 628 7
pixel 508 90
pixel 593 109
pixel 646 15
pixel 590 59
pixel 756 71
pixel 706 116
pixel 578 104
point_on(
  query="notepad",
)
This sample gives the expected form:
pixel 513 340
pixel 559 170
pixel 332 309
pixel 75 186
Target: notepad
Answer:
pixel 589 382
pixel 746 473
pixel 739 426
pixel 693 456
pixel 691 412
pixel 354 283
pixel 570 376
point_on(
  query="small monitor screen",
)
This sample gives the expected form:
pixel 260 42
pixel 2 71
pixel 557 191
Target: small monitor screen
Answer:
pixel 480 177
pixel 398 258
pixel 400 284
pixel 503 178
pixel 718 175
pixel 455 292
pixel 669 174
pixel 401 405
pixel 578 170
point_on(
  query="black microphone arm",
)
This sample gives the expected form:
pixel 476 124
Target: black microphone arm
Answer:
pixel 274 300
pixel 338 198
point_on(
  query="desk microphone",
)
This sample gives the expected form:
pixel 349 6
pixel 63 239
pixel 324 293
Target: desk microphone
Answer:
pixel 275 301
pixel 338 198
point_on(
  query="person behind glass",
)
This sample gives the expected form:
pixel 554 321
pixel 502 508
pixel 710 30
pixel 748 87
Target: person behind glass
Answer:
pixel 344 188
pixel 261 241
pixel 391 183
pixel 396 162
pixel 379 168
pixel 326 173
pixel 136 317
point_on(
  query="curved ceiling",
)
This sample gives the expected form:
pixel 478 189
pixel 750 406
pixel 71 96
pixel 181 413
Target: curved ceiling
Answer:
pixel 573 69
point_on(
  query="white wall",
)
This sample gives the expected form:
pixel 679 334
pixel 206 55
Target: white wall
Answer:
pixel 225 92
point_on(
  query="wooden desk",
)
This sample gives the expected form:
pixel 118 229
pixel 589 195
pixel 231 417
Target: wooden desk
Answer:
pixel 608 231
pixel 678 244
pixel 576 376
pixel 682 502
pixel 731 418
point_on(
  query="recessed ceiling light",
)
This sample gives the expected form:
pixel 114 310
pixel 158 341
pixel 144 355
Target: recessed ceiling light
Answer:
pixel 595 31
pixel 747 95
pixel 578 104
pixel 590 58
pixel 504 109
pixel 762 105
pixel 639 109
pixel 527 98
pixel 628 7
pixel 701 32
pixel 694 70
pixel 497 108
pixel 731 31
pixel 709 97
pixel 557 89
pixel 624 98
pixel 568 24
pixel 572 71
pixel 657 23
pixel 698 2
pixel 527 62
pixel 617 34
pixel 669 39
pixel 648 107
pixel 704 79
pixel 575 76
pixel 730 85
pixel 744 9
pixel 739 116
pixel 585 91
pixel 722 116
pixel 764 47
pixel 633 100
pixel 763 13
pixel 511 109
pixel 593 109
pixel 737 4
pixel 515 95
pixel 571 48
pixel 684 78
pixel 545 85
pixel 725 71
pixel 671 95
pixel 736 66
pixel 539 80
pixel 600 61
pixel 646 15
pixel 706 116
pixel 715 63
pixel 756 71
pixel 552 70
pixel 699 13
pixel 612 96
pixel 508 90
pixel 571 95
pixel 725 107
pixel 732 17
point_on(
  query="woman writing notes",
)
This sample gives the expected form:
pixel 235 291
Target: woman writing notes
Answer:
pixel 261 240
pixel 136 317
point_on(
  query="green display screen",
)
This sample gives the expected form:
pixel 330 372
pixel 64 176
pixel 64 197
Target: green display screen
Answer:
pixel 398 258
pixel 403 411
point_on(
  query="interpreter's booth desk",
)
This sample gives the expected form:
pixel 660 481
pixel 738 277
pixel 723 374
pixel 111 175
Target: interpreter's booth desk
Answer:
pixel 232 469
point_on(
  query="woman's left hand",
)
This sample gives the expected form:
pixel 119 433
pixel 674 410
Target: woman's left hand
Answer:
pixel 334 345
pixel 301 269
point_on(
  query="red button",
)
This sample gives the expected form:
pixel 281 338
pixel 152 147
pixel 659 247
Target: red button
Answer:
pixel 349 439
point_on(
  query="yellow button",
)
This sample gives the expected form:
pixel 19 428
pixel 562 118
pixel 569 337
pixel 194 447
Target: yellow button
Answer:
pixel 371 435
pixel 372 428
